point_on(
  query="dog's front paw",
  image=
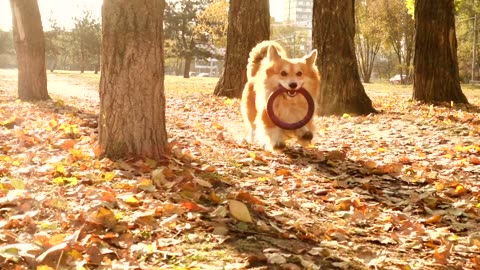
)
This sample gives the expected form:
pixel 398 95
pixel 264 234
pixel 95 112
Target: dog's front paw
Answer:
pixel 279 146
pixel 305 139
pixel 307 136
pixel 275 147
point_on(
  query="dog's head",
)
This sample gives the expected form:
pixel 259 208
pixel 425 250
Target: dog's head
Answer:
pixel 292 73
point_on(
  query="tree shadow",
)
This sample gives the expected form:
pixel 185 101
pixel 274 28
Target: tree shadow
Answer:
pixel 369 193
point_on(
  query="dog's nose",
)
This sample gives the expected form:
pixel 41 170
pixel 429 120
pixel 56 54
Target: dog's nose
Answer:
pixel 292 85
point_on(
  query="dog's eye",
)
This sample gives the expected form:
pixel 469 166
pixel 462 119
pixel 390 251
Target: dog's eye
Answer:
pixel 299 73
pixel 283 73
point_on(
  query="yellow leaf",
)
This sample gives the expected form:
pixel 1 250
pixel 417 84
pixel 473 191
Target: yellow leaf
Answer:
pixel 239 211
pixel 262 179
pixel 44 267
pixel 58 180
pixel 132 201
pixel 72 181
pixel 460 190
pixel 17 183
pixel 218 126
pixel 228 102
pixel 53 123
pixel 61 169
pixel 109 176
pixel 346 116
pixel 77 256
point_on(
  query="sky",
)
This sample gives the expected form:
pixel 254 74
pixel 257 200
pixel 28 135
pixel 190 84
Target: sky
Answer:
pixel 65 10
pixel 62 10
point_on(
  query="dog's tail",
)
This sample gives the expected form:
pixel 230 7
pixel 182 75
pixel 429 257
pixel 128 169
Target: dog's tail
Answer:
pixel 258 53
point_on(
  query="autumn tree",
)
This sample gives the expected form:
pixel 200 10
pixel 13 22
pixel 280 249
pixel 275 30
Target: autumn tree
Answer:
pixel 132 99
pixel 341 90
pixel 86 37
pixel 369 36
pixel 53 47
pixel 30 49
pixel 436 77
pixel 6 42
pixel 399 28
pixel 293 37
pixel 248 24
pixel 465 27
pixel 184 40
pixel 214 21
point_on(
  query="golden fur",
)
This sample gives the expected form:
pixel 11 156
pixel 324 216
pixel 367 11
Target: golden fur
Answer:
pixel 268 68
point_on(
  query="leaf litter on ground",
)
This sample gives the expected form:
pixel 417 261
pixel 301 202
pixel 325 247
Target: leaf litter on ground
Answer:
pixel 397 190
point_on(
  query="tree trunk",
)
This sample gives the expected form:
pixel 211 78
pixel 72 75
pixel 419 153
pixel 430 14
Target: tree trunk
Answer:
pixel 82 58
pixel 132 99
pixel 30 48
pixel 97 65
pixel 186 68
pixel 341 90
pixel 248 24
pixel 436 77
pixel 53 67
pixel 367 52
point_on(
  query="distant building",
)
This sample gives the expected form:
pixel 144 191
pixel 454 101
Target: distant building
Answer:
pixel 299 12
pixel 207 68
pixel 297 20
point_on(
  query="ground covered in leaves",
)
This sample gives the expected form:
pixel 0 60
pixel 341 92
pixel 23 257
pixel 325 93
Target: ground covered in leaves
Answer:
pixel 396 190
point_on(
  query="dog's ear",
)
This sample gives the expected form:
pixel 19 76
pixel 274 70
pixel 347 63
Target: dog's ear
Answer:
pixel 272 53
pixel 311 58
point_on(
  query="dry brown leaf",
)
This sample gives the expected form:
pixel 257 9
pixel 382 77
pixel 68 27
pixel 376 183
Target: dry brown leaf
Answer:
pixel 239 211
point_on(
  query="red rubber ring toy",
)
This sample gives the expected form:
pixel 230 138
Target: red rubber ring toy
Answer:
pixel 290 126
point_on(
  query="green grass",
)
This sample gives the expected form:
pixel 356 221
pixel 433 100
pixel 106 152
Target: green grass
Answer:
pixel 179 86
pixel 174 85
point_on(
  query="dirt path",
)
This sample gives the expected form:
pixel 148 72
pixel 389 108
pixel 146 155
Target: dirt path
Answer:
pixel 58 85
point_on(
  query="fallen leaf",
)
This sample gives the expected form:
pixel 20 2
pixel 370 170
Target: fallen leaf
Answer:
pixel 239 211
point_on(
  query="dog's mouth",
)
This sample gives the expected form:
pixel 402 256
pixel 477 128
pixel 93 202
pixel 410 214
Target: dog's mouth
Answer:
pixel 292 93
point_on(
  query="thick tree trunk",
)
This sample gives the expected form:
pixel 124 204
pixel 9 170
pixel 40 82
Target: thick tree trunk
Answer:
pixel 30 48
pixel 436 77
pixel 248 24
pixel 341 90
pixel 132 99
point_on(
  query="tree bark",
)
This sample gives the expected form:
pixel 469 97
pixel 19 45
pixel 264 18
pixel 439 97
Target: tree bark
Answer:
pixel 30 47
pixel 341 90
pixel 132 99
pixel 436 75
pixel 248 24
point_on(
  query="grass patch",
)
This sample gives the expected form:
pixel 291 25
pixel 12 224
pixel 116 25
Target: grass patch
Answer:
pixel 181 87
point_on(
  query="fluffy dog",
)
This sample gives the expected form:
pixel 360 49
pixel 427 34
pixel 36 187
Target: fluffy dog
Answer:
pixel 268 68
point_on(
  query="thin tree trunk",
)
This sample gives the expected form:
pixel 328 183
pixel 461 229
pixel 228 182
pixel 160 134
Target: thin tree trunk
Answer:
pixel 30 48
pixel 82 58
pixel 132 99
pixel 53 67
pixel 435 64
pixel 341 90
pixel 186 68
pixel 248 24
